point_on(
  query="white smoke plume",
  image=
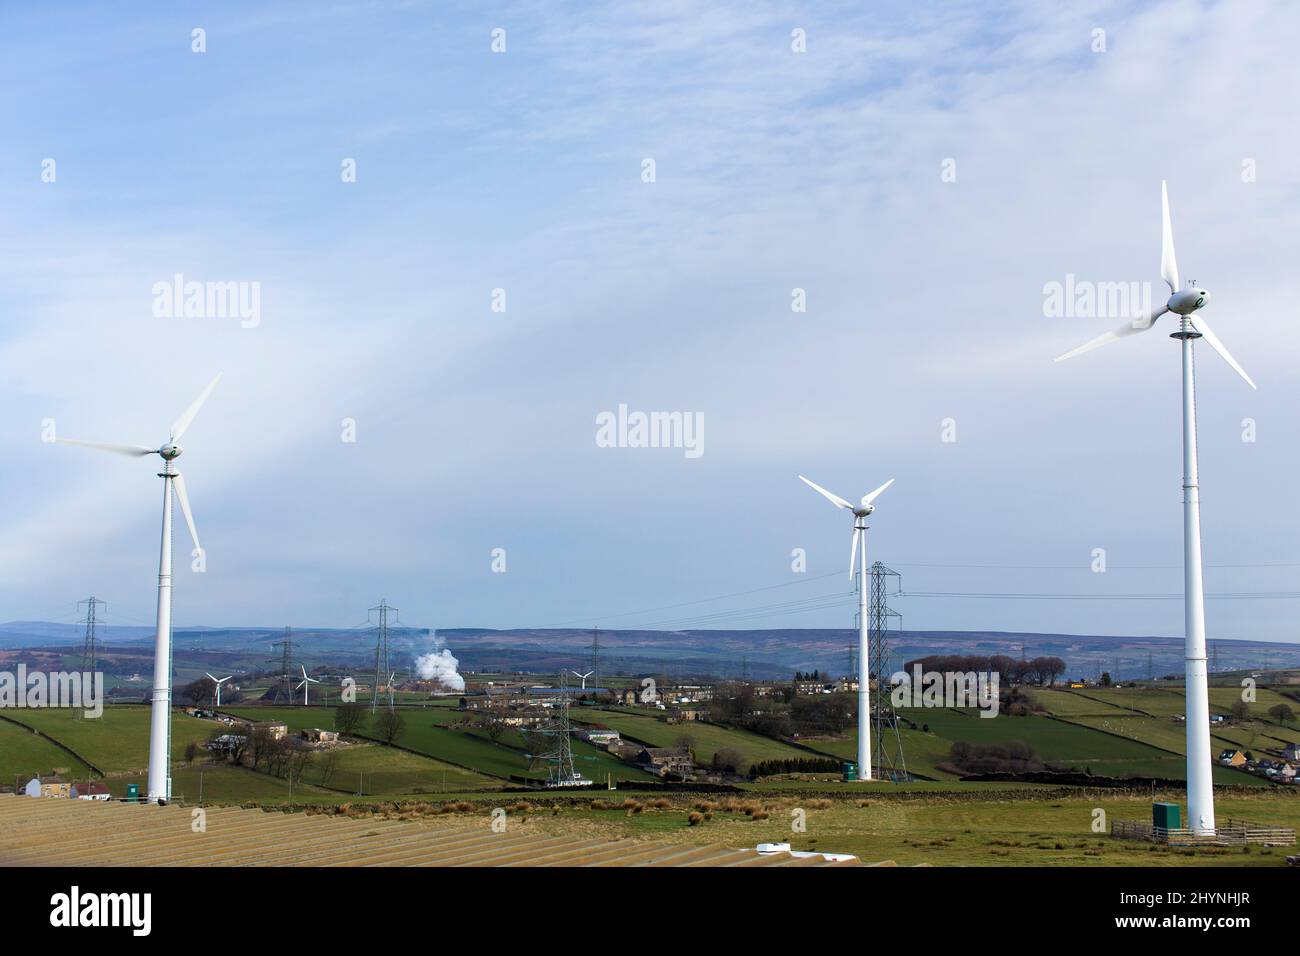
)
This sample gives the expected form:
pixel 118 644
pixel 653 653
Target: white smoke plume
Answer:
pixel 439 665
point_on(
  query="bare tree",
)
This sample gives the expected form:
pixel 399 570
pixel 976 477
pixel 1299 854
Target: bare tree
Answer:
pixel 389 725
pixel 349 718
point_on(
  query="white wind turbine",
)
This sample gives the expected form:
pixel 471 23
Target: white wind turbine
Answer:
pixel 860 514
pixel 1186 303
pixel 218 681
pixel 159 781
pixel 304 684
pixel 583 677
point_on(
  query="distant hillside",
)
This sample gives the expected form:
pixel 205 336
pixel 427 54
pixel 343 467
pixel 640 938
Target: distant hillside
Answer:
pixel 759 653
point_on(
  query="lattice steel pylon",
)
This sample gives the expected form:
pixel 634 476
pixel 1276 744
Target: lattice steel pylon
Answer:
pixel 560 771
pixel 90 646
pixel 382 668
pixel 889 759
pixel 283 687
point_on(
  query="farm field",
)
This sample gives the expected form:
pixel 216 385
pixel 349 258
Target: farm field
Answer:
pixel 1006 828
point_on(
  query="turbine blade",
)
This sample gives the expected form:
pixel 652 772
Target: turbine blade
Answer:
pixel 304 671
pixel 132 451
pixel 182 423
pixel 1168 262
pixel 853 551
pixel 1213 340
pixel 1114 335
pixel 178 483
pixel 833 499
pixel 869 498
pixel 209 676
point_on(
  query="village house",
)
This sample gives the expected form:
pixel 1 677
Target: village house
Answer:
pixel 91 791
pixel 1232 758
pixel 1291 752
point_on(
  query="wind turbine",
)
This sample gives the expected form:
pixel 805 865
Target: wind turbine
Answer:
pixel 304 684
pixel 218 681
pixel 860 514
pixel 583 677
pixel 1187 303
pixel 159 781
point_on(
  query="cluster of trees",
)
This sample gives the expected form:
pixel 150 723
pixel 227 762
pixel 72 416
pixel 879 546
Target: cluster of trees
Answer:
pixel 766 768
pixel 204 691
pixel 1010 670
pixel 354 718
pixel 1014 756
pixel 814 675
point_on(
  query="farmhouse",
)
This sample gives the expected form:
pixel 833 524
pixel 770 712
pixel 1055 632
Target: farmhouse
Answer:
pixel 275 729
pixel 1291 752
pixel 666 760
pixel 91 791
pixel 48 787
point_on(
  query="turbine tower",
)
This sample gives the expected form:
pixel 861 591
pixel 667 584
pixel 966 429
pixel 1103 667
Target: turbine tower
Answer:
pixel 306 683
pixel 218 681
pixel 159 781
pixel 1186 303
pixel 860 515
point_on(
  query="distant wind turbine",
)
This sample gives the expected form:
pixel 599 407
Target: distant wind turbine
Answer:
pixel 860 514
pixel 583 677
pixel 159 780
pixel 304 684
pixel 218 681
pixel 1187 303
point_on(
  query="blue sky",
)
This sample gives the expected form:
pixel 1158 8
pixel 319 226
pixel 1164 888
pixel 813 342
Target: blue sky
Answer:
pixel 522 170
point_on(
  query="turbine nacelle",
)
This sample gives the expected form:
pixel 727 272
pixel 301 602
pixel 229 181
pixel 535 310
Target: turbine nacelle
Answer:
pixel 1188 301
pixel 171 451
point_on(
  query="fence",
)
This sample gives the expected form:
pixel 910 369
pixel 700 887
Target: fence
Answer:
pixel 1230 833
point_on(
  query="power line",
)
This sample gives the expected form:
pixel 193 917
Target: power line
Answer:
pixel 1171 596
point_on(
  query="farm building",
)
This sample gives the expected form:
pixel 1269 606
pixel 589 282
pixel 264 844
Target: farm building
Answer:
pixel 90 791
pixel 317 736
pixel 1232 758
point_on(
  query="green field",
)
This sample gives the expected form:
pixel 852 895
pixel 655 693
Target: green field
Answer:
pixel 24 755
pixel 706 739
pixel 118 740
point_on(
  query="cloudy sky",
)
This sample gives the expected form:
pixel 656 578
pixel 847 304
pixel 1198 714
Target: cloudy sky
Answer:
pixel 921 174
